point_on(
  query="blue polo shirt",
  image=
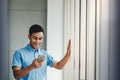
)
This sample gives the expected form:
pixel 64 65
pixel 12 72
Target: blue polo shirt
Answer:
pixel 24 57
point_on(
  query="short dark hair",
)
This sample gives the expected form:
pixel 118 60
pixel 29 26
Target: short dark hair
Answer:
pixel 35 28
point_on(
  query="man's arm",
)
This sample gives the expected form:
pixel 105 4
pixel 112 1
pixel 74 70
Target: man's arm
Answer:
pixel 18 72
pixel 60 64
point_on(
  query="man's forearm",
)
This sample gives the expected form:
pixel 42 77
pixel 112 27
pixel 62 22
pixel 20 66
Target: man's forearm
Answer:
pixel 62 62
pixel 21 73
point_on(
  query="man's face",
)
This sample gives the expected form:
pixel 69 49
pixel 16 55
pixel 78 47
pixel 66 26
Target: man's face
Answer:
pixel 36 39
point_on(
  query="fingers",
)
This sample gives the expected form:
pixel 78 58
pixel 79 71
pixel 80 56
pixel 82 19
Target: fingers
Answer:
pixel 37 64
pixel 69 47
pixel 69 43
pixel 39 61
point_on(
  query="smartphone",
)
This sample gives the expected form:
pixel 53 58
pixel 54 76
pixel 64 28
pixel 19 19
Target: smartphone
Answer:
pixel 40 58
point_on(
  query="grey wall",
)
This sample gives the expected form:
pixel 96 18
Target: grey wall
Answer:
pixel 115 41
pixel 23 14
pixel 4 39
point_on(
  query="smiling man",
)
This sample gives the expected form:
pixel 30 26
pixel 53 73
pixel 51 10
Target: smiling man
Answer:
pixel 27 65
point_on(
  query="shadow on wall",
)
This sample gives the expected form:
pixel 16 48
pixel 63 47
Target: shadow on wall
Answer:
pixel 4 39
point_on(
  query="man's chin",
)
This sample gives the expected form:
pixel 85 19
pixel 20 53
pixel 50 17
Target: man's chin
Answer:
pixel 36 47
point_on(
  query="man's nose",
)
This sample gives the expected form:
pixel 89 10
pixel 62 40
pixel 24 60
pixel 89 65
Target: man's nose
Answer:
pixel 37 40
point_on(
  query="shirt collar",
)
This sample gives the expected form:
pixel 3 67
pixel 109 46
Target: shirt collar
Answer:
pixel 32 49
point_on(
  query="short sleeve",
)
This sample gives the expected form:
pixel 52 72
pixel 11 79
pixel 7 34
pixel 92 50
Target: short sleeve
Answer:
pixel 50 60
pixel 17 60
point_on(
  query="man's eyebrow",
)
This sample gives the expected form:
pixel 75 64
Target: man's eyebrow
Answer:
pixel 34 36
pixel 39 37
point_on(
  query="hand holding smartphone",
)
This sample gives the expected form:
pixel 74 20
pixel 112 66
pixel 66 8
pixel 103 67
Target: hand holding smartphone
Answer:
pixel 40 58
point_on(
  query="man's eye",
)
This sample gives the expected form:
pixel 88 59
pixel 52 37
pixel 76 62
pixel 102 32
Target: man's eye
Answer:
pixel 40 38
pixel 34 38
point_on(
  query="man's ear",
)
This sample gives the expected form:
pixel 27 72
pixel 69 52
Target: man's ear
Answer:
pixel 28 36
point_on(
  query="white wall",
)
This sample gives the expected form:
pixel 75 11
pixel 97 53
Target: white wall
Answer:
pixel 72 31
pixel 94 39
pixel 55 35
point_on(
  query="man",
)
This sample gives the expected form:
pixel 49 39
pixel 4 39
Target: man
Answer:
pixel 27 66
